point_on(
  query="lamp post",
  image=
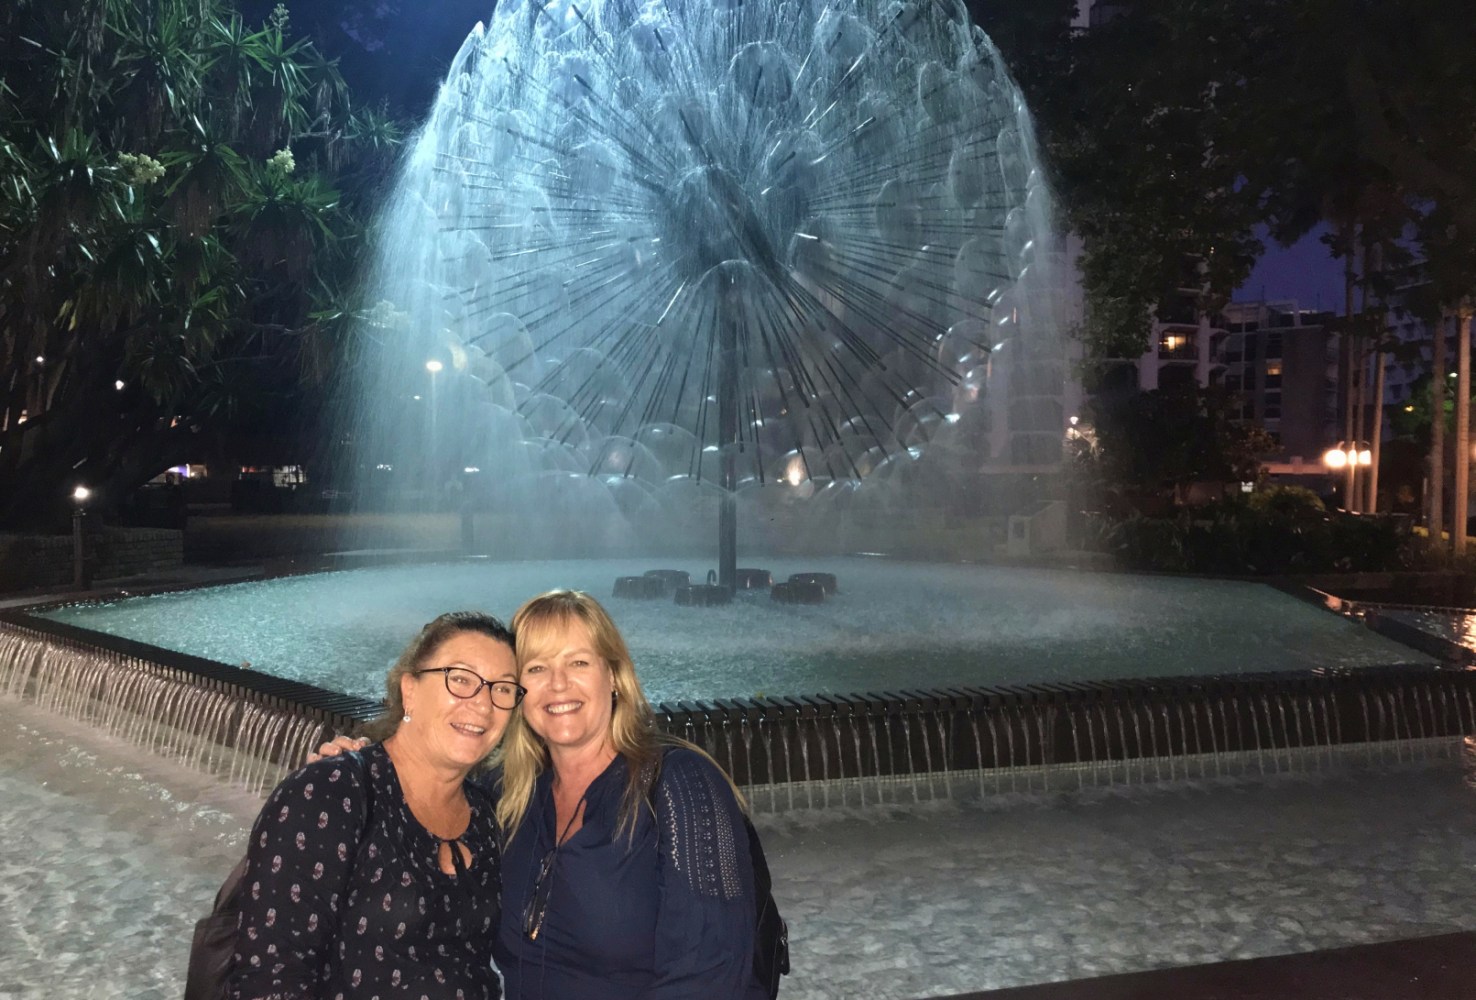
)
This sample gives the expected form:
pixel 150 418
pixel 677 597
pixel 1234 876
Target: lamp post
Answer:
pixel 81 571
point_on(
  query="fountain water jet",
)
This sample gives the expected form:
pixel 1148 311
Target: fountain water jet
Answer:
pixel 710 249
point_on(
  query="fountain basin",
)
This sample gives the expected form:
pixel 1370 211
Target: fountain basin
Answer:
pixel 896 626
pixel 917 669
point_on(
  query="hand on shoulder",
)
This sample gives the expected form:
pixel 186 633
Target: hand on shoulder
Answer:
pixel 337 746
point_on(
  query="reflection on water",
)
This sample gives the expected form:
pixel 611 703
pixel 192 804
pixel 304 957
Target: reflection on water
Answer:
pixel 1452 624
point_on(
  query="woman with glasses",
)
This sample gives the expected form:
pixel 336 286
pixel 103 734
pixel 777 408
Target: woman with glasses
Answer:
pixel 626 866
pixel 377 873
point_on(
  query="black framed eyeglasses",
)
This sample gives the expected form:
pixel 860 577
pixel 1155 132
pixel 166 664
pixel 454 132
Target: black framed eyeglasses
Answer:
pixel 464 683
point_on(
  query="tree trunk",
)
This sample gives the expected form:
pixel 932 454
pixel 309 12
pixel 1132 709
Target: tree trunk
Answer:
pixel 1376 435
pixel 1360 421
pixel 1461 499
pixel 1346 369
pixel 1436 520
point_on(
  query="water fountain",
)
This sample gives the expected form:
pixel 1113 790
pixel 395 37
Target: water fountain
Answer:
pixel 776 267
pixel 656 259
pixel 687 264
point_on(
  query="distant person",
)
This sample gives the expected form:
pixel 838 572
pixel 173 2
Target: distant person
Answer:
pixel 626 864
pixel 377 874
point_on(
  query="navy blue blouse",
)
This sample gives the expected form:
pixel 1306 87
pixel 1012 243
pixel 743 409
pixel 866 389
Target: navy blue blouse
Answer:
pixel 337 911
pixel 669 914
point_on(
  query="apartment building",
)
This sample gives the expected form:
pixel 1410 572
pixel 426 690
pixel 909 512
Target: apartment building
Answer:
pixel 1281 361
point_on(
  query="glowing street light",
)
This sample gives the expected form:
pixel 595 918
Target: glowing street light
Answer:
pixel 81 572
pixel 1348 458
pixel 433 366
pixel 1342 456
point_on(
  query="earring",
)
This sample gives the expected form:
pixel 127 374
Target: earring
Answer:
pixel 406 717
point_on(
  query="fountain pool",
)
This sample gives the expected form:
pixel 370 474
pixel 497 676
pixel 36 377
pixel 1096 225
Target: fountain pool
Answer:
pixel 892 626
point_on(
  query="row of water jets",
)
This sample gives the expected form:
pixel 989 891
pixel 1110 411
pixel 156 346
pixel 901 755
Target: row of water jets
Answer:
pixel 821 752
pixel 171 713
pixel 852 753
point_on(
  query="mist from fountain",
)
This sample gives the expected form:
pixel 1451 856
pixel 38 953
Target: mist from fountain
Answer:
pixel 645 258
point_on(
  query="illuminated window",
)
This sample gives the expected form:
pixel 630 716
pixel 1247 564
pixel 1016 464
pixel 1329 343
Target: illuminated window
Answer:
pixel 1273 367
pixel 1176 344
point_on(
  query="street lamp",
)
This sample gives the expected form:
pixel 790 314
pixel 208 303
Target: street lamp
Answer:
pixel 1342 456
pixel 1349 457
pixel 81 572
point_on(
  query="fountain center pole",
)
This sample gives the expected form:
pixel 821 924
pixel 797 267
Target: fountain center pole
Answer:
pixel 728 440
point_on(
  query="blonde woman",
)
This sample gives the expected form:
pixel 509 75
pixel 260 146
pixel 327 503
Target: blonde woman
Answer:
pixel 626 865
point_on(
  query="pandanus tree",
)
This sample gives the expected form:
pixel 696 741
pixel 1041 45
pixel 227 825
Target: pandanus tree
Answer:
pixel 172 237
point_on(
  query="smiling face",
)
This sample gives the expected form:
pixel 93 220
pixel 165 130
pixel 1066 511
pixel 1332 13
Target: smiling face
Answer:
pixel 569 690
pixel 454 731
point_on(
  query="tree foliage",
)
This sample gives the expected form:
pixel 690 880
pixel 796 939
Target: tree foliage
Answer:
pixel 1164 440
pixel 174 236
pixel 1175 130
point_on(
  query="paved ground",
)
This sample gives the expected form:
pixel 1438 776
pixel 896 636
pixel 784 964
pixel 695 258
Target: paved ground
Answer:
pixel 1432 968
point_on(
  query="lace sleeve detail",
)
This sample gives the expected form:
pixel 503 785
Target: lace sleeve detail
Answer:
pixel 705 920
pixel 697 813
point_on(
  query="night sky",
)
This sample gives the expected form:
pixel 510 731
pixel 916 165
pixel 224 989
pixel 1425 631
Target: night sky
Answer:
pixel 1304 271
pixel 393 51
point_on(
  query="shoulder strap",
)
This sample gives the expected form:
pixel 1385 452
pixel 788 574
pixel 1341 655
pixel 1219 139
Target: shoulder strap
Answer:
pixel 367 782
pixel 656 771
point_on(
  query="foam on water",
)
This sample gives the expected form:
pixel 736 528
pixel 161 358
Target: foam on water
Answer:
pixel 105 863
pixel 893 625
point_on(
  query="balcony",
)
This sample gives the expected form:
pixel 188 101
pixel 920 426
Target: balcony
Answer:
pixel 1178 310
pixel 1178 345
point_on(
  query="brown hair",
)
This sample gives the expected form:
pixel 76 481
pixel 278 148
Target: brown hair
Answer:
pixel 420 650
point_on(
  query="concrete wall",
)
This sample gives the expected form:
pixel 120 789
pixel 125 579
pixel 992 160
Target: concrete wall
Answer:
pixel 29 562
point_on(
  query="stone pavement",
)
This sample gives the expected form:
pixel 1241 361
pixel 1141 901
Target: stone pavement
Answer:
pixel 1432 968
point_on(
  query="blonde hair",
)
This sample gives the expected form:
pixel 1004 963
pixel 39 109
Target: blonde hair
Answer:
pixel 633 731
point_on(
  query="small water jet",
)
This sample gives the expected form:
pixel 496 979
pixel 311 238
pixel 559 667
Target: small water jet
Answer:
pixel 248 729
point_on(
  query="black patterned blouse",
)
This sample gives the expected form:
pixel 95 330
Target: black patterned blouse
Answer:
pixel 338 908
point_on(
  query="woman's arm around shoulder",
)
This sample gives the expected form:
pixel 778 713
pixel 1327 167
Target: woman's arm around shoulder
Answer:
pixel 705 921
pixel 299 859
